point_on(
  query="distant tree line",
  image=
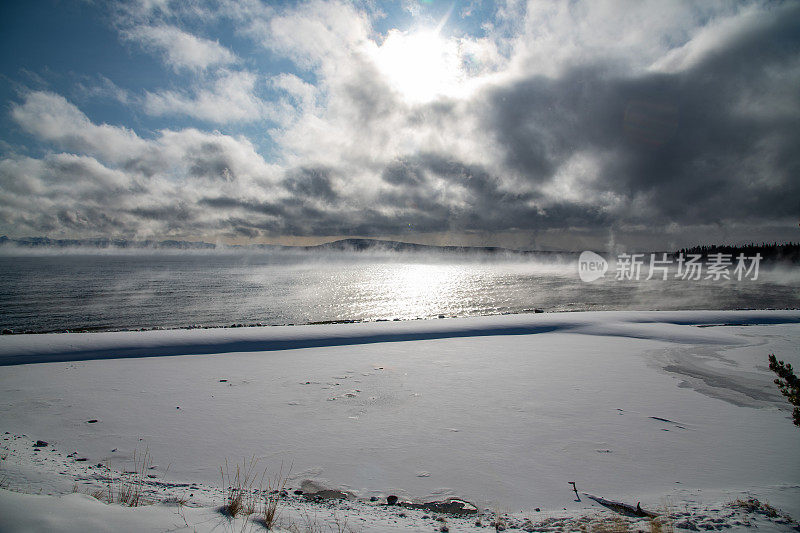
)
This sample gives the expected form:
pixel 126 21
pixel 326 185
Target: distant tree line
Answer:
pixel 769 251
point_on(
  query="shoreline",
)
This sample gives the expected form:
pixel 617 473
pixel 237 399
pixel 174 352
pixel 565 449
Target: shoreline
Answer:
pixel 8 331
pixel 132 344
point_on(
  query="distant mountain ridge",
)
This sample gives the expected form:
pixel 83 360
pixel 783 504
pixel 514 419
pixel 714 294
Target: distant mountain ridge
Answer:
pixel 46 242
pixel 787 252
pixel 354 245
pixel 361 245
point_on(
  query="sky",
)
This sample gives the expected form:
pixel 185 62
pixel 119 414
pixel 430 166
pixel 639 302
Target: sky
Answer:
pixel 538 125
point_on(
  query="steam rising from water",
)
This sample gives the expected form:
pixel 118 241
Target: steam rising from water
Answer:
pixel 50 292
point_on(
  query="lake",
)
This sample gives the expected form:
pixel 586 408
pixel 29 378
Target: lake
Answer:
pixel 131 290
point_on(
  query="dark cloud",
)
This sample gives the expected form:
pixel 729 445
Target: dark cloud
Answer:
pixel 685 144
pixel 312 183
pixel 173 214
pixel 90 219
pixel 441 193
pixel 227 204
pixel 209 160
pixel 444 196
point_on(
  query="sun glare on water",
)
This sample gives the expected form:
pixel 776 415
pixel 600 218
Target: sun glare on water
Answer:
pixel 421 65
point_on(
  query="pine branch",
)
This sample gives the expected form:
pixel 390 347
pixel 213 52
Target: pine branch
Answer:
pixel 788 383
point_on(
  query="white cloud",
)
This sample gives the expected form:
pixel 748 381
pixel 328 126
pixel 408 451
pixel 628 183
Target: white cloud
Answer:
pixel 50 117
pixel 712 37
pixel 180 154
pixel 362 111
pixel 102 87
pixel 558 35
pixel 303 93
pixel 230 98
pixel 180 49
pixel 313 33
pixel 111 181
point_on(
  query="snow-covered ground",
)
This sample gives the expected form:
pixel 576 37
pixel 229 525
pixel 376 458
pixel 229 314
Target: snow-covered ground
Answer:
pixel 675 410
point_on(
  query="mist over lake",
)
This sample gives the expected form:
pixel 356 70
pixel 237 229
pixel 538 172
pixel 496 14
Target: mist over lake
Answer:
pixel 111 291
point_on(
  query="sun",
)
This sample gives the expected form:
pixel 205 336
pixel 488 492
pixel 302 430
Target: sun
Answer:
pixel 421 65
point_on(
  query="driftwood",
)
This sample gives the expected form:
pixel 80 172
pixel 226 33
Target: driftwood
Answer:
pixel 451 506
pixel 623 508
pixel 577 496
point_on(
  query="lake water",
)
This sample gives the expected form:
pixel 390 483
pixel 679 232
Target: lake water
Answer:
pixel 50 292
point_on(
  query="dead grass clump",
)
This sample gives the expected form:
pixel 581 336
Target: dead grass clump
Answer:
pixel 663 523
pixel 128 489
pixel 606 524
pixel 312 524
pixel 242 486
pixel 249 491
pixel 752 505
pixel 179 501
pixel 340 524
pixel 275 489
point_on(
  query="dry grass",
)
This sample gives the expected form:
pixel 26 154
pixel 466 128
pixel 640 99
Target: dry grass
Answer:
pixel 340 524
pixel 661 524
pixel 606 524
pixel 128 488
pixel 3 477
pixel 752 505
pixel 275 487
pixel 664 522
pixel 249 491
pixel 242 486
pixel 312 524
